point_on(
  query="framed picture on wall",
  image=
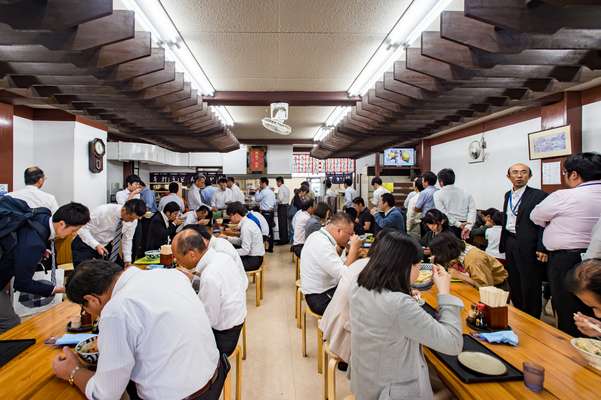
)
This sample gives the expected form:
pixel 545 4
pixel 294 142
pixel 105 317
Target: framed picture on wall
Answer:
pixel 549 143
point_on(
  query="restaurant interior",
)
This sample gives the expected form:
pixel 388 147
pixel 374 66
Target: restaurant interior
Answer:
pixel 305 104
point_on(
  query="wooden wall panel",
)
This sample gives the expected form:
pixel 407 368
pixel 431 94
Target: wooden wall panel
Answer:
pixel 6 144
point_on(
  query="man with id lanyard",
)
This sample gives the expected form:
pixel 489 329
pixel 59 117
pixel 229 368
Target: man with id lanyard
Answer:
pixel 568 216
pixel 521 240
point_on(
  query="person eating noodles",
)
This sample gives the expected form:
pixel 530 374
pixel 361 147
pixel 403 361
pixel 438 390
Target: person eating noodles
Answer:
pixel 585 283
pixel 220 286
pixel 161 227
pixel 163 343
pixel 202 216
pixel 389 327
pixel 468 263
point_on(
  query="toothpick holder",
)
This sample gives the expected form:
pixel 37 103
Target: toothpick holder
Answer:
pixel 496 317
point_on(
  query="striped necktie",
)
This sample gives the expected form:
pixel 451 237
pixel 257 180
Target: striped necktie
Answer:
pixel 116 243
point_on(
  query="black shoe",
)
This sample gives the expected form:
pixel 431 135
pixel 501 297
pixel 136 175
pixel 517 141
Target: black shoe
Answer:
pixel 269 250
pixel 342 366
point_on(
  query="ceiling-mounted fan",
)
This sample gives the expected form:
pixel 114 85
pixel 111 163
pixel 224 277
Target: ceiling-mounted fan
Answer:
pixel 279 114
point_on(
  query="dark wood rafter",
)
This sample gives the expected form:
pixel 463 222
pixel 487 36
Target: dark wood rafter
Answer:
pixel 86 59
pixel 496 55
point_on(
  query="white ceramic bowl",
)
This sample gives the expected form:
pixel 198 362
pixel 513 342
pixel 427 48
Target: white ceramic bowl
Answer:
pixel 89 358
pixel 593 359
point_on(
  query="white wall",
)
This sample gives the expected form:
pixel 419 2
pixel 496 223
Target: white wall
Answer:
pixel 362 163
pixel 53 144
pixel 591 127
pixel 279 159
pixel 23 150
pixel 88 188
pixel 234 162
pixel 114 176
pixel 487 181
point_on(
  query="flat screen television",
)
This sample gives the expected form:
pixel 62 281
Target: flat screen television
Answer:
pixel 399 157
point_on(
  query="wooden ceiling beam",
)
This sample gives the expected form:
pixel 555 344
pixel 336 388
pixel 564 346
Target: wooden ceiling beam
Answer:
pixel 54 15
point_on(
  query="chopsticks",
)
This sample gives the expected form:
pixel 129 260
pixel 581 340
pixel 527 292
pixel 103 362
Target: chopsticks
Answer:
pixel 493 297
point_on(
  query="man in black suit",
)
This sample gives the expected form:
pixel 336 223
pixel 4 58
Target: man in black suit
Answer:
pixel 521 241
pixel 161 228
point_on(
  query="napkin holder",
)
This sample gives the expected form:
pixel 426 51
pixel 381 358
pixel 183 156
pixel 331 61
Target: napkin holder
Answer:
pixel 496 317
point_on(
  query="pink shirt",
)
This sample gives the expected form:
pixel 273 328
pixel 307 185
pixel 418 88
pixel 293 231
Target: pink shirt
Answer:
pixel 568 216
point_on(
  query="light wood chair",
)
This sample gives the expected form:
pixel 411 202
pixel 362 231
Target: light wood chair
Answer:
pixel 330 362
pixel 257 278
pixel 350 397
pixel 227 385
pixel 244 340
pixel 298 304
pixel 306 310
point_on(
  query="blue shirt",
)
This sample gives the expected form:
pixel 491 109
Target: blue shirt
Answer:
pixel 207 193
pixel 266 199
pixel 393 219
pixel 149 198
pixel 425 201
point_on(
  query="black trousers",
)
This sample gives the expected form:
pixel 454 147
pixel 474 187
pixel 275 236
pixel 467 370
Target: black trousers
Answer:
pixel 269 217
pixel 251 263
pixel 283 223
pixel 213 393
pixel 82 252
pixel 526 276
pixel 319 302
pixel 561 264
pixel 297 248
pixel 227 340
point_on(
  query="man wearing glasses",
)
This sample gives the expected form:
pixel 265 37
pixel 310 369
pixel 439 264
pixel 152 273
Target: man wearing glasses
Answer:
pixel 521 240
pixel 568 217
pixel 321 266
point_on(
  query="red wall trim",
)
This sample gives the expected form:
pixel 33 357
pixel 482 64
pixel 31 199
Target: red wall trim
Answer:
pixel 6 144
pixel 591 95
pixel 52 114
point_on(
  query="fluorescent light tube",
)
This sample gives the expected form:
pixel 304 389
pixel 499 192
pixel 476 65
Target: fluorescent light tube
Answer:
pixel 417 18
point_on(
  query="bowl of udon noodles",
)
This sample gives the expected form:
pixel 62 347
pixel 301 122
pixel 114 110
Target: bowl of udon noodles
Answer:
pixel 87 350
pixel 589 349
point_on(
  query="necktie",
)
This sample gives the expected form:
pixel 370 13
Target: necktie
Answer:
pixel 116 243
pixel 53 273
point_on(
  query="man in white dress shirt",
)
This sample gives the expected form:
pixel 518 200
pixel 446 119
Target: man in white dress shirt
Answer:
pixel 163 344
pixel 194 198
pixel 299 222
pixel 32 194
pixel 379 190
pixel 250 241
pixel 132 190
pixel 455 203
pixel 263 224
pixel 237 194
pixel 221 289
pixel 172 196
pixel 223 195
pixel 321 266
pixel 111 228
pixel 266 199
pixel 283 202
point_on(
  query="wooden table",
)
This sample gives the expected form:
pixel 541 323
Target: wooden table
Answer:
pixel 567 376
pixel 29 376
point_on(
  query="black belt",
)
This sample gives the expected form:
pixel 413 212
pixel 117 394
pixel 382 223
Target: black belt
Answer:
pixel 568 251
pixel 206 387
pixel 511 234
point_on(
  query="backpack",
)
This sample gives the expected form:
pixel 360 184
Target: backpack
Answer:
pixel 14 214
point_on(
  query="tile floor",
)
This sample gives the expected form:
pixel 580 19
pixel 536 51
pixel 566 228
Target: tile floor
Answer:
pixel 274 366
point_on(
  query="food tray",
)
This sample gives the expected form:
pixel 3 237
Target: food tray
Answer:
pixel 469 376
pixel 9 349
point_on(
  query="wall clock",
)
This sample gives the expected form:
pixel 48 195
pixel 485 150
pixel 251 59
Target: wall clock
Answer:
pixel 96 152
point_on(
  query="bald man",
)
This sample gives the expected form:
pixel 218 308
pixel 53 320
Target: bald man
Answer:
pixel 521 241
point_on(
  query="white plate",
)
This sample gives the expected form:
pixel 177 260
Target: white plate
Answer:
pixel 482 363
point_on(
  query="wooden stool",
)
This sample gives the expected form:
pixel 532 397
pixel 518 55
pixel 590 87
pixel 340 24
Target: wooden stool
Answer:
pixel 298 304
pixel 331 361
pixel 244 340
pixel 257 277
pixel 350 397
pixel 317 317
pixel 297 267
pixel 227 385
